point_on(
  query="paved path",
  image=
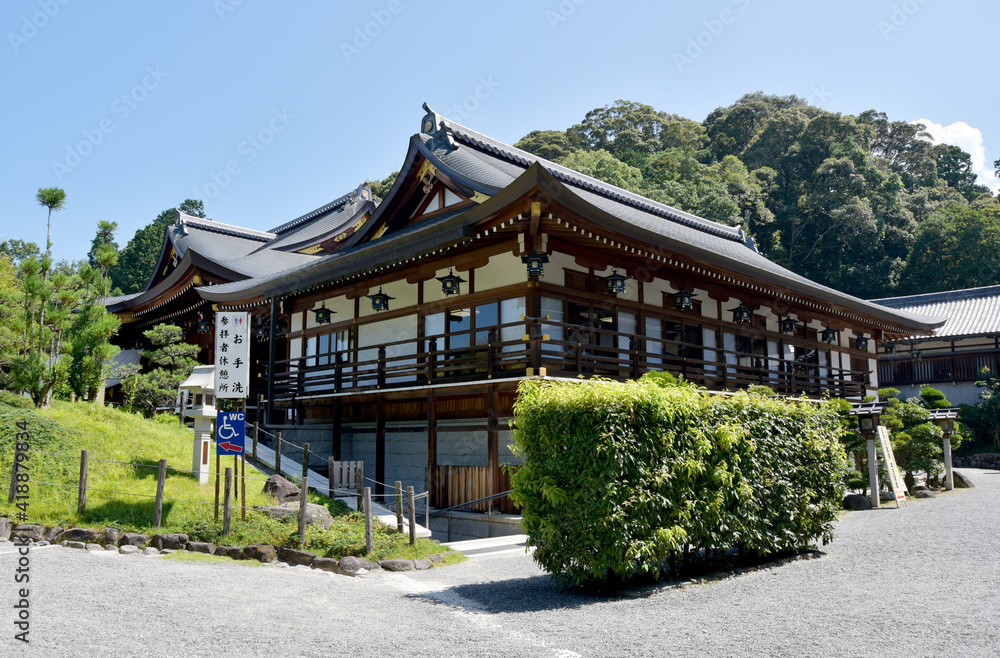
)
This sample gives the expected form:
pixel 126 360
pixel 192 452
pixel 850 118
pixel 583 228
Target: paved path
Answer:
pixel 919 581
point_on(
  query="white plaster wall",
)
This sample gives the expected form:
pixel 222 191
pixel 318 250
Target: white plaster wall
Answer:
pixel 631 286
pixel 343 308
pixel 405 297
pixel 504 270
pixel 297 319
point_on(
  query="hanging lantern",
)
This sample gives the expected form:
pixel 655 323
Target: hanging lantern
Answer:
pixel 380 300
pixel 741 314
pixel 889 348
pixel 450 284
pixel 862 342
pixel 323 314
pixel 262 332
pixel 829 335
pixel 682 300
pixel 614 283
pixel 204 326
pixel 535 262
pixel 788 325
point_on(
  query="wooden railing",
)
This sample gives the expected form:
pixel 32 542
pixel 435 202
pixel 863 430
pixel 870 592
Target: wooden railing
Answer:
pixel 579 351
pixel 957 367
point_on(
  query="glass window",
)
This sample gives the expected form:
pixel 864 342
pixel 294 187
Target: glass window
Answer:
pixel 487 317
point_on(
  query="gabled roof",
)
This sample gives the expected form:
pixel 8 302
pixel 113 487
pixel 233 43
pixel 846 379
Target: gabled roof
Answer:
pixel 970 313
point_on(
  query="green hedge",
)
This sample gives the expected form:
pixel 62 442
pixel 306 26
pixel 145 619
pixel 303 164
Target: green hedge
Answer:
pixel 627 479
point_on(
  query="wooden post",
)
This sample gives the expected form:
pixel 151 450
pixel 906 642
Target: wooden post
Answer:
pixel 81 505
pixel 381 367
pixel 227 504
pixel 236 472
pixel 431 446
pixel 277 454
pixel 380 444
pixel 305 465
pixel 243 489
pixel 399 506
pixel 217 462
pixel 359 476
pixel 329 477
pixel 255 432
pixel 873 472
pixel 13 479
pixel 412 511
pixel 161 478
pixel 369 543
pixel 303 501
pixel 949 478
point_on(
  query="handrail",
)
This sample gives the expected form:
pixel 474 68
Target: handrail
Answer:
pixel 471 502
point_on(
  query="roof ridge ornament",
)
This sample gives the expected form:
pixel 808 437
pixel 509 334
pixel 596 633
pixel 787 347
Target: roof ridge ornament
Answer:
pixel 434 125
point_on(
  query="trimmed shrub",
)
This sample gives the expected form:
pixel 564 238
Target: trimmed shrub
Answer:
pixel 621 480
pixel 11 399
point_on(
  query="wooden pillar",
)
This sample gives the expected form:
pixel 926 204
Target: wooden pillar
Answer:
pixel 380 445
pixel 493 434
pixel 431 447
pixel 949 476
pixel 336 439
pixel 533 309
pixel 272 347
pixel 873 471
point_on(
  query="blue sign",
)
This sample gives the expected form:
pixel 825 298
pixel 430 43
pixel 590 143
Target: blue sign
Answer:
pixel 230 432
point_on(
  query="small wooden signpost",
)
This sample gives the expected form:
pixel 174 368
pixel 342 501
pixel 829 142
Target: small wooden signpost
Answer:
pixel 895 478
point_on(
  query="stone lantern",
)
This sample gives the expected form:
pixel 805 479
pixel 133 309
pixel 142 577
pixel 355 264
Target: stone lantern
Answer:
pixel 197 395
pixel 868 414
pixel 945 419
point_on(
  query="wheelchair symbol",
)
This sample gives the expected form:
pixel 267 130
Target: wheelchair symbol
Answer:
pixel 227 431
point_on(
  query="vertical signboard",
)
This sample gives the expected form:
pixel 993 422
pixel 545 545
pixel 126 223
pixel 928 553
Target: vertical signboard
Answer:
pixel 895 477
pixel 232 355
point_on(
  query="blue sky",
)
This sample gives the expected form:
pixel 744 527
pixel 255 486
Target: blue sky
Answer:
pixel 266 110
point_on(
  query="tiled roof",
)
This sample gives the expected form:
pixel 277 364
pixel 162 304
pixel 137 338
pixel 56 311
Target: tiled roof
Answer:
pixel 969 312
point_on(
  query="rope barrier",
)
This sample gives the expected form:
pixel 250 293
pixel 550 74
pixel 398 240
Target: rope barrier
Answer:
pixel 121 493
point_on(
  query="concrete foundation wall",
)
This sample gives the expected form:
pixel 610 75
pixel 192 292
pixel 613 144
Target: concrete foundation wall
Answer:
pixel 319 438
pixel 459 526
pixel 462 448
pixel 358 444
pixel 406 459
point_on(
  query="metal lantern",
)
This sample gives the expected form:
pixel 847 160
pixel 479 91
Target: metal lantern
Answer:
pixel 868 414
pixel 889 348
pixel 945 419
pixel 614 283
pixel 450 284
pixel 741 314
pixel 262 332
pixel 862 342
pixel 535 263
pixel 788 324
pixel 282 327
pixel 323 314
pixel 380 300
pixel 829 335
pixel 204 326
pixel 683 300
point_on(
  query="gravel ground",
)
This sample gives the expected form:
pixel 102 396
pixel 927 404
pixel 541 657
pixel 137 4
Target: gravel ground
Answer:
pixel 918 581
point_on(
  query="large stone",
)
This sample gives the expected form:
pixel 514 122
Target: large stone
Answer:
pixel 51 534
pixel 326 564
pixel 78 534
pixel 260 552
pixel 422 565
pixel 234 552
pixel 150 551
pixel 294 557
pixel 201 547
pixel 351 565
pixel 174 540
pixel 109 535
pixel 924 493
pixel 134 539
pixel 95 548
pixel 315 514
pixel 75 544
pixel 282 490
pixel 128 549
pixel 5 527
pixel 28 531
pixel 961 482
pixel 396 565
pixel 856 502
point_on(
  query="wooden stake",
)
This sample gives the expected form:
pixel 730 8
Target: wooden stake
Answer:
pixel 236 471
pixel 81 505
pixel 399 506
pixel 255 432
pixel 359 480
pixel 277 455
pixel 243 488
pixel 216 487
pixel 227 507
pixel 305 463
pixel 303 499
pixel 329 479
pixel 369 542
pixel 161 478
pixel 410 502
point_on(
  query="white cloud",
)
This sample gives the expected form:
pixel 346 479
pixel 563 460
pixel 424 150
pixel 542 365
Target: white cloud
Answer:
pixel 970 140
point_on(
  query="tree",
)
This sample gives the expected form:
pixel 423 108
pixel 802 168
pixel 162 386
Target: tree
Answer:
pixel 91 350
pixel 380 189
pixel 603 166
pixel 983 418
pixel 954 166
pixel 955 248
pixel 172 361
pixel 18 250
pixel 105 236
pixel 54 199
pixel 138 258
pixel 549 144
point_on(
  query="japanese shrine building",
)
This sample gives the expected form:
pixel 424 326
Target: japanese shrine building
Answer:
pixel 402 341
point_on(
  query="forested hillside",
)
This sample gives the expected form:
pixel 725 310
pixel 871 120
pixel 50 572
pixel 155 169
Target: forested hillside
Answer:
pixel 862 203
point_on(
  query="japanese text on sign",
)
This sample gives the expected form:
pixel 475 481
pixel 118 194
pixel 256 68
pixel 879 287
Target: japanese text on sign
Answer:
pixel 232 355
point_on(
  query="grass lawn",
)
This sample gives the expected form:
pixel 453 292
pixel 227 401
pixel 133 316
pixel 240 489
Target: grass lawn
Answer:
pixel 124 454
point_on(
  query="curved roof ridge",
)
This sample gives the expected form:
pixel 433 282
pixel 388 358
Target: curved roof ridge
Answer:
pixel 362 192
pixel 523 158
pixel 939 297
pixel 225 229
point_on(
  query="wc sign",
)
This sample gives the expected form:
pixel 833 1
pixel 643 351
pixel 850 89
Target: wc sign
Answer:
pixel 230 432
